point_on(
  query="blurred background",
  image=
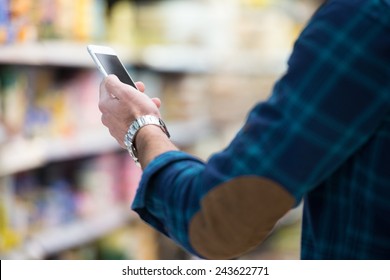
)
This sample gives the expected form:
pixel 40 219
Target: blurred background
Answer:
pixel 65 185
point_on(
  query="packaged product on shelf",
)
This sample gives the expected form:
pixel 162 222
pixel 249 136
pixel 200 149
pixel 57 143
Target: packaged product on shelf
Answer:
pixel 46 14
pixel 49 108
pixel 64 21
pixel 4 21
pixel 82 99
pixel 266 30
pixel 96 180
pixel 99 20
pixel 121 27
pixel 136 241
pixel 257 3
pixel 9 237
pixel 83 20
pixel 185 98
pixel 21 26
pixel 106 182
pixel 28 205
pixel 14 101
pixel 236 94
pixel 39 112
pixel 186 23
pixel 60 203
pixel 47 20
pixel 127 177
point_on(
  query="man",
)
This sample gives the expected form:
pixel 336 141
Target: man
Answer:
pixel 323 136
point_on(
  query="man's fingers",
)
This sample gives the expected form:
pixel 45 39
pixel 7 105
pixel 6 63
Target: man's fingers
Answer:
pixel 113 87
pixel 140 86
pixel 103 93
pixel 116 88
pixel 157 102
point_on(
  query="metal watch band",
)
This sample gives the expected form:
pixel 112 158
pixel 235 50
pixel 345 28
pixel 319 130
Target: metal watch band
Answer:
pixel 136 126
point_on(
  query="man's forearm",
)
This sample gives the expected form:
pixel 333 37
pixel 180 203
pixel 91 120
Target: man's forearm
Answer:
pixel 151 142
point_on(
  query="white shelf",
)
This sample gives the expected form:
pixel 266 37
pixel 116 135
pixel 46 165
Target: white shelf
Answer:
pixel 53 53
pixel 178 59
pixel 21 154
pixel 185 59
pixel 55 240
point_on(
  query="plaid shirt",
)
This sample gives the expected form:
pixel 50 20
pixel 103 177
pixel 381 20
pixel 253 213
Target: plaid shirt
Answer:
pixel 324 135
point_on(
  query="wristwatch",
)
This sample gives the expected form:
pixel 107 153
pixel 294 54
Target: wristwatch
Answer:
pixel 135 127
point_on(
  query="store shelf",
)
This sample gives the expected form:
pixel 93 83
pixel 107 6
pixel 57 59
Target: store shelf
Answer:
pixel 55 240
pixel 21 154
pixel 176 59
pixel 53 53
pixel 186 59
pixel 255 63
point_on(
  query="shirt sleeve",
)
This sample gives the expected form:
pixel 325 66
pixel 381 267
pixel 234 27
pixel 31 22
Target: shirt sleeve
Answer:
pixel 332 98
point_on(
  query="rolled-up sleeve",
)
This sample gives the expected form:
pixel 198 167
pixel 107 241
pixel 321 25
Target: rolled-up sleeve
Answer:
pixel 168 194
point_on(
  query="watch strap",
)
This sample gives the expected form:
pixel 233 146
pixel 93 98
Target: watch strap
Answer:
pixel 134 128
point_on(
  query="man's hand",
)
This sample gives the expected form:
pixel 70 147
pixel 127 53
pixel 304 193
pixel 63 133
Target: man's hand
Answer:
pixel 121 104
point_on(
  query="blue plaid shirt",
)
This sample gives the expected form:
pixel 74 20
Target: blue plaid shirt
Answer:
pixel 324 135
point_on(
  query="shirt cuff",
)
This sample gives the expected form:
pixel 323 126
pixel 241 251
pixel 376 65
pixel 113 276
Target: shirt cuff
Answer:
pixel 150 182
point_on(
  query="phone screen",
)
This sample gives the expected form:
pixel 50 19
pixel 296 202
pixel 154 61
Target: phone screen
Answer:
pixel 112 65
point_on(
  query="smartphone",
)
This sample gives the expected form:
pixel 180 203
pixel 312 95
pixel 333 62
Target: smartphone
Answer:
pixel 108 63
